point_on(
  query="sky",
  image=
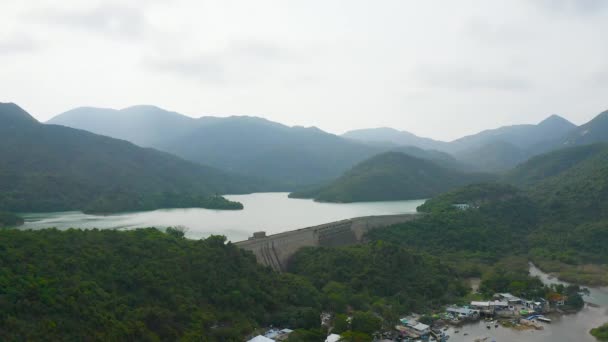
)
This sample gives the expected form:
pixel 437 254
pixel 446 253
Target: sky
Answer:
pixel 441 69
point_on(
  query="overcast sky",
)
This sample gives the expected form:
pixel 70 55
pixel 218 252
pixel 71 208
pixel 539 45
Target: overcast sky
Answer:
pixel 441 69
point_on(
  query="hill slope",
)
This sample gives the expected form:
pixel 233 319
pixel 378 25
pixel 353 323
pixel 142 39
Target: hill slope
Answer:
pixel 143 125
pixel 551 164
pixel 593 131
pixel 391 176
pixel 522 136
pixel 56 168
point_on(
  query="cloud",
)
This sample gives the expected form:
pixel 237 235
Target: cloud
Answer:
pixel 206 69
pixel 239 61
pixel 465 78
pixel 573 6
pixel 17 43
pixel 109 19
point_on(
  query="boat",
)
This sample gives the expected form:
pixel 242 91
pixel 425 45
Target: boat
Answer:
pixel 543 319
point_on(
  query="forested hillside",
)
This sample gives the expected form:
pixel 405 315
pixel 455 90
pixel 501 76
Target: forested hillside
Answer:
pixel 148 285
pixel 56 168
pixel 551 164
pixel 391 176
pixel 108 285
pixel 562 233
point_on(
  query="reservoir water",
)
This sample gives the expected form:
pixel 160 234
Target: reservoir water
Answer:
pixel 563 328
pixel 270 212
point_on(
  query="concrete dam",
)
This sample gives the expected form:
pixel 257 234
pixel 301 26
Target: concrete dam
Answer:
pixel 275 250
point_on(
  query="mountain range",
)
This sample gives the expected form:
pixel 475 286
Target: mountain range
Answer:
pixel 55 168
pixel 289 157
pixel 492 150
pixel 293 158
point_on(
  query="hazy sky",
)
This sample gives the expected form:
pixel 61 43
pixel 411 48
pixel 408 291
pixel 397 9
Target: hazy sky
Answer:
pixel 436 68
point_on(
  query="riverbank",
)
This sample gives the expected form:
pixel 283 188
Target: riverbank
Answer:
pixel 586 274
pixel 563 327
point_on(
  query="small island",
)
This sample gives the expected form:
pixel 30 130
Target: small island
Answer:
pixel 601 332
pixel 10 220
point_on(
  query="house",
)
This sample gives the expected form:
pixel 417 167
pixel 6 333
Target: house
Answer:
pixel 462 312
pixel 462 206
pixel 509 298
pixel 421 328
pixel 537 306
pixel 489 307
pixel 557 299
pixel 333 338
pixel 278 335
pixel 261 338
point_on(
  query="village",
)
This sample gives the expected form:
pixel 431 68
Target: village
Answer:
pixel 503 310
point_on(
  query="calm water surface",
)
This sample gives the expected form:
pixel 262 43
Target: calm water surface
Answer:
pixel 563 328
pixel 270 212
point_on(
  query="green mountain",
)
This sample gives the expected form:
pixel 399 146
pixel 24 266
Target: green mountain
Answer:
pixel 56 168
pixel 391 176
pixel 495 156
pixel 593 131
pixel 288 156
pixel 547 165
pixel 579 192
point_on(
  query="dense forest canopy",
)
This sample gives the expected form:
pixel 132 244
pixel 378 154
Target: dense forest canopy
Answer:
pixel 500 220
pixel 146 284
pixel 9 219
pixel 141 284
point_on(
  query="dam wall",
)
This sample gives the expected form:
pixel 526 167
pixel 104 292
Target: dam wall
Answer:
pixel 276 250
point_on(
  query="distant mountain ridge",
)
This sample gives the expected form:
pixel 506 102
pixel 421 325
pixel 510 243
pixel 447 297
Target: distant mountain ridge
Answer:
pixel 492 150
pixel 387 134
pixel 303 156
pixel 57 168
pixel 289 156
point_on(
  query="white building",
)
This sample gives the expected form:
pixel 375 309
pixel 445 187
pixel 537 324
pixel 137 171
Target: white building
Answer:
pixel 260 338
pixel 421 328
pixel 333 338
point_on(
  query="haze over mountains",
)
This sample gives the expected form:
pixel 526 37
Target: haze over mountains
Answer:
pixel 293 157
pixel 288 156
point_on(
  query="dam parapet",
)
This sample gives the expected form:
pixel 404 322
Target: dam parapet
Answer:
pixel 275 250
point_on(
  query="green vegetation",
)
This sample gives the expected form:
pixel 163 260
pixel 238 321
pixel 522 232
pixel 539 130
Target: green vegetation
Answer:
pixel 379 277
pixel 55 168
pixel 391 176
pixel 601 332
pixel 504 221
pixel 146 284
pixel 141 285
pixel 10 220
pixel 472 239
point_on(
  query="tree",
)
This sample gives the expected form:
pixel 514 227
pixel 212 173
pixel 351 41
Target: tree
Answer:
pixel 366 322
pixel 341 324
